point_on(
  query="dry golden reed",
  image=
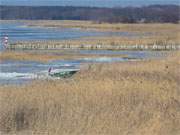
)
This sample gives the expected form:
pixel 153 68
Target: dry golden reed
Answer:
pixel 44 56
pixel 131 98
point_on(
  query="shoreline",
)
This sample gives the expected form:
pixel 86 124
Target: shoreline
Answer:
pixel 90 25
pixel 90 45
pixel 44 57
pixel 163 36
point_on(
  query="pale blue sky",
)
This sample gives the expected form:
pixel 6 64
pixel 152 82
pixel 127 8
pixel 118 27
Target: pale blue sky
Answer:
pixel 97 3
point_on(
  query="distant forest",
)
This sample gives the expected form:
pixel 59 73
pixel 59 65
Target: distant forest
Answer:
pixel 146 14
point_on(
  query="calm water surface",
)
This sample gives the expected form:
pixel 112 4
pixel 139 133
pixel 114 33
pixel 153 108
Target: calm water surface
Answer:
pixel 20 32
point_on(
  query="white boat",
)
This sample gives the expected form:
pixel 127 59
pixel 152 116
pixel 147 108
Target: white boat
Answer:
pixel 62 73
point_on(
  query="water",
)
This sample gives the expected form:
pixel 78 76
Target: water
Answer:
pixel 20 72
pixel 20 32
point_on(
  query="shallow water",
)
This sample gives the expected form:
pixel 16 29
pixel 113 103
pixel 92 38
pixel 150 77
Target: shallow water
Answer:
pixel 20 32
pixel 20 72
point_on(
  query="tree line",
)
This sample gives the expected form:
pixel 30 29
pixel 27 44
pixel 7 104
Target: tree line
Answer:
pixel 145 14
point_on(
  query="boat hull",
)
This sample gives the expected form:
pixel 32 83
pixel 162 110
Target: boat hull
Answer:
pixel 65 74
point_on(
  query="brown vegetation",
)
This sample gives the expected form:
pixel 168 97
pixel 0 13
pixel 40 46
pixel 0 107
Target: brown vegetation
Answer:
pixel 133 98
pixel 12 55
pixel 104 43
pixel 165 33
pixel 43 56
pixel 123 27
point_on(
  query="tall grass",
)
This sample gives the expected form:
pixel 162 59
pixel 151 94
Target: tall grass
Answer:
pixel 15 55
pixel 133 98
pixel 44 56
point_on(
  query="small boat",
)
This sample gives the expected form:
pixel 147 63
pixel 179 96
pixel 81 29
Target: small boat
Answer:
pixel 62 73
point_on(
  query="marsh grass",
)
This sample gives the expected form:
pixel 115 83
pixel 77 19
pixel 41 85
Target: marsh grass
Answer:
pixel 131 98
pixel 105 43
pixel 44 56
pixel 158 30
pixel 15 55
pixel 143 27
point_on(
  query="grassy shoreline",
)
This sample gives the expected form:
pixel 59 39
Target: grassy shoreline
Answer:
pixel 100 43
pixel 136 98
pixel 50 56
pixel 146 35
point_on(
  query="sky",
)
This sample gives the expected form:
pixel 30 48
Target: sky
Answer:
pixel 90 3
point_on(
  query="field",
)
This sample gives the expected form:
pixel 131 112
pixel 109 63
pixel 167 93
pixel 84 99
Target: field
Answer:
pixel 130 98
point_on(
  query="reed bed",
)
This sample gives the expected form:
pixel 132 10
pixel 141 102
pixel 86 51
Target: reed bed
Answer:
pixel 143 27
pixel 104 43
pixel 158 33
pixel 131 98
pixel 15 55
pixel 44 56
pixel 164 29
